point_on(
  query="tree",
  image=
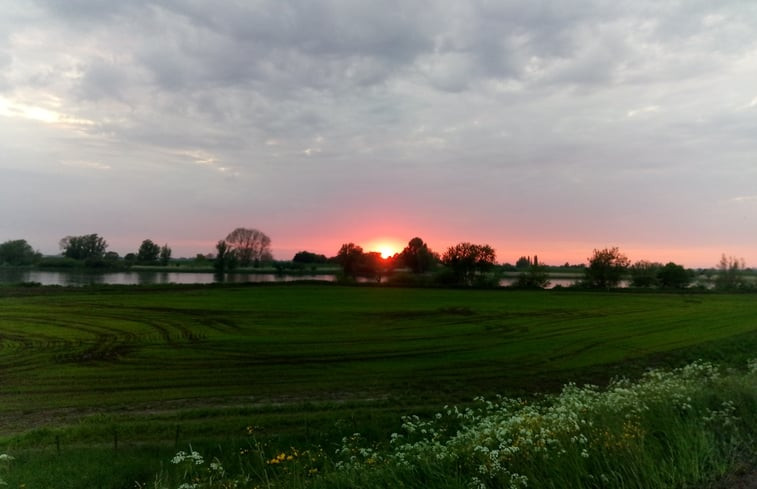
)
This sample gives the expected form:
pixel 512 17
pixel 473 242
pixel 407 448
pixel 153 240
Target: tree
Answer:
pixel 18 252
pixel 250 246
pixel 606 268
pixel 349 258
pixel 148 253
pixel 645 273
pixel 469 261
pixel 372 265
pixel 165 254
pixel 730 274
pixel 306 257
pixel 89 247
pixel 674 276
pixel 523 262
pixel 226 259
pixel 417 256
pixel 536 277
pixel 111 258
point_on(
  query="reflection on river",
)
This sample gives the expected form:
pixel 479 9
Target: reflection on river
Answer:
pixel 78 278
pixel 142 277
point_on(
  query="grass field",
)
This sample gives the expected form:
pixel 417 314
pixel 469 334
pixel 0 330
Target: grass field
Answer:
pixel 148 369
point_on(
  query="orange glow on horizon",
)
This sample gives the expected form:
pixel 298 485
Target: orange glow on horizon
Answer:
pixel 387 252
pixel 387 247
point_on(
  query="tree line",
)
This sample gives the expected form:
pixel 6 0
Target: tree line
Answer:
pixel 464 264
pixel 89 250
pixel 468 264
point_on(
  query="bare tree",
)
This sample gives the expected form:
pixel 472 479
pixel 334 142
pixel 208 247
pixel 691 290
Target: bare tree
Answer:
pixel 250 246
pixel 730 273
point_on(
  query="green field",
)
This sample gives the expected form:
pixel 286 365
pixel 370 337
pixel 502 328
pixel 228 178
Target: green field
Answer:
pixel 164 366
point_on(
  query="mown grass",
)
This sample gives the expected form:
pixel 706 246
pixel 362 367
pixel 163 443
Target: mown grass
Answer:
pixel 152 369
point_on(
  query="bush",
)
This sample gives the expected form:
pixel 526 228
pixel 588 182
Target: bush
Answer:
pixel 59 262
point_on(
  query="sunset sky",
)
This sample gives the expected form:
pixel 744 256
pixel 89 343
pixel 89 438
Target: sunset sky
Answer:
pixel 537 127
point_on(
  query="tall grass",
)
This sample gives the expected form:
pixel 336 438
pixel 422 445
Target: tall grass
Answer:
pixel 669 429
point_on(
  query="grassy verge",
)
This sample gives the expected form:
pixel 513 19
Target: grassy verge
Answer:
pixel 668 430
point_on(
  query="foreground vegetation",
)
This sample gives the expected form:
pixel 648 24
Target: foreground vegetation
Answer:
pixel 102 386
pixel 668 430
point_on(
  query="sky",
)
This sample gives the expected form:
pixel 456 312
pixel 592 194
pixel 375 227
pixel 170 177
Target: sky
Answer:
pixel 547 127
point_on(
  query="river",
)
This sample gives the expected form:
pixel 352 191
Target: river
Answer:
pixel 143 277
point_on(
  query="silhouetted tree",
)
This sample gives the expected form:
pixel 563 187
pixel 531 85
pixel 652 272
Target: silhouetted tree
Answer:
pixel 417 256
pixel 111 258
pixel 226 259
pixel 165 254
pixel 468 261
pixel 349 257
pixel 645 273
pixel 606 268
pixel 536 277
pixel 730 273
pixel 18 252
pixel 89 247
pixel 372 265
pixel 674 276
pixel 306 257
pixel 250 246
pixel 523 262
pixel 148 252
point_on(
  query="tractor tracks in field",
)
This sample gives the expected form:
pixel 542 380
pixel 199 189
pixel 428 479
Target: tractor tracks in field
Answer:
pixel 99 335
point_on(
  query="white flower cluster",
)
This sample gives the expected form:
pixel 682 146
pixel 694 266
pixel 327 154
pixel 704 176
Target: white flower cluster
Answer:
pixel 191 457
pixel 200 477
pixel 752 366
pixel 500 440
pixel 4 457
pixel 725 416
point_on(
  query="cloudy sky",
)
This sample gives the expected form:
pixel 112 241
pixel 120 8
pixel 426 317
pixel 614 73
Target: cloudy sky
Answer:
pixel 547 127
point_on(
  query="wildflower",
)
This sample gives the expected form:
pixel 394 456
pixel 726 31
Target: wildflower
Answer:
pixel 192 457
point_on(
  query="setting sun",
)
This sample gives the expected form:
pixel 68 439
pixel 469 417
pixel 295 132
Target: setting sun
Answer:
pixel 387 248
pixel 387 251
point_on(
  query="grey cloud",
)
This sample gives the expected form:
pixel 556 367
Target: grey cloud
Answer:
pixel 727 25
pixel 286 47
pixel 5 60
pixel 104 79
pixel 89 13
pixel 388 30
pixel 506 95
